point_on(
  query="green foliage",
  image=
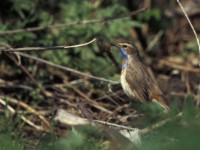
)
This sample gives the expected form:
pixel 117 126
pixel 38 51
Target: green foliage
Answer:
pixel 77 139
pixel 189 108
pixel 154 13
pixel 36 96
pixel 173 137
pixel 20 7
pixel 84 58
pixel 190 47
pixel 7 143
pixel 181 133
pixel 67 12
pixel 10 137
pixel 155 19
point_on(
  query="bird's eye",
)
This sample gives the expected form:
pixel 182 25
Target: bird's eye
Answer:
pixel 124 46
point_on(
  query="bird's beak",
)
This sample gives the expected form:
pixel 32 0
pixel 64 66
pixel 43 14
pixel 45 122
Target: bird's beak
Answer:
pixel 116 45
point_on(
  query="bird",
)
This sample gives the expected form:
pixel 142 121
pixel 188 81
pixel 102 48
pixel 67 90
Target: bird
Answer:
pixel 136 81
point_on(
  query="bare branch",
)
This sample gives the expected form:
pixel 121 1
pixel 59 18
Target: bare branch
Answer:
pixel 29 76
pixel 35 29
pixel 115 125
pixel 44 48
pixel 66 68
pixel 80 45
pixel 191 27
pixel 179 67
pixel 106 48
pixel 12 111
pixel 28 108
pixel 88 99
pixel 66 118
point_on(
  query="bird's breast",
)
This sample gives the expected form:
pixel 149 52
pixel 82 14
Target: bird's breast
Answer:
pixel 125 84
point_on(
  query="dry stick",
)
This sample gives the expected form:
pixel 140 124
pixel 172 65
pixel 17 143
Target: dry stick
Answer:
pixel 44 48
pixel 112 58
pixel 179 67
pixel 34 29
pixel 91 102
pixel 106 48
pixel 118 109
pixel 141 131
pixel 187 83
pixel 21 116
pixel 114 125
pixel 9 84
pixel 29 108
pixel 191 27
pixel 109 97
pixel 66 68
pixel 145 130
pixel 45 93
pixel 154 41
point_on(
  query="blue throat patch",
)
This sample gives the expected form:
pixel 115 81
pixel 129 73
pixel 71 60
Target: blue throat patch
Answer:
pixel 123 53
pixel 125 57
pixel 124 64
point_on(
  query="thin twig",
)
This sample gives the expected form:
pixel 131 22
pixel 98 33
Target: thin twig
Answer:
pixel 179 67
pixel 144 131
pixel 12 111
pixel 66 68
pixel 88 99
pixel 191 27
pixel 187 83
pixel 80 45
pixel 45 93
pixel 29 108
pixel 114 125
pixel 154 41
pixel 35 29
pixel 67 118
pixel 44 48
pixel 105 47
pixel 9 84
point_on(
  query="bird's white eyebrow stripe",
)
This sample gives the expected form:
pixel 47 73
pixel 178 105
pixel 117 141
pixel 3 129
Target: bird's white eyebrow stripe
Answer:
pixel 126 44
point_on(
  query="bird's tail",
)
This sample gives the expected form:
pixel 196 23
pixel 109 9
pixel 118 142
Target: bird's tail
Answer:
pixel 162 102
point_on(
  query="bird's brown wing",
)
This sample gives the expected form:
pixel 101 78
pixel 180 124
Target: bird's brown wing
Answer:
pixel 138 80
pixel 143 85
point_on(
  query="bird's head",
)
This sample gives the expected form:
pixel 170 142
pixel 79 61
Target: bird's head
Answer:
pixel 127 50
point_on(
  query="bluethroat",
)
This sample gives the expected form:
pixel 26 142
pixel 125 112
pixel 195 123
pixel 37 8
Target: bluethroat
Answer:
pixel 136 81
